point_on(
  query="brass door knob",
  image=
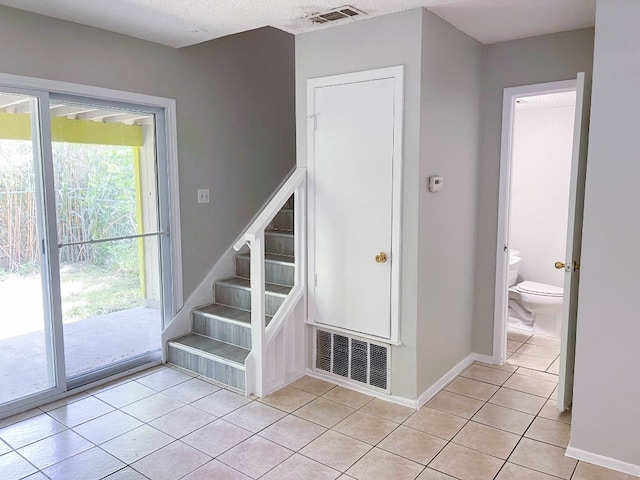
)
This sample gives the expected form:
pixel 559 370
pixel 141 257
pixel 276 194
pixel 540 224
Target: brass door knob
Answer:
pixel 381 257
pixel 560 265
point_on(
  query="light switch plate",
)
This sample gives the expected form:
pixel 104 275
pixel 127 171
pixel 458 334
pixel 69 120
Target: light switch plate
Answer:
pixel 203 195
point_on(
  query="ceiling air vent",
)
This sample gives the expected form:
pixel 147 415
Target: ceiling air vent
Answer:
pixel 335 14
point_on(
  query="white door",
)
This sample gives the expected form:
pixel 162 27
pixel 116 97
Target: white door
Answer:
pixel 352 198
pixel 574 240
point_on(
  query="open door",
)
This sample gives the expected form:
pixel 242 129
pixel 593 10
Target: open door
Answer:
pixel 571 265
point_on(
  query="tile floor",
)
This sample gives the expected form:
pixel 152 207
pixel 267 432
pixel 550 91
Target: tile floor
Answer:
pixel 491 422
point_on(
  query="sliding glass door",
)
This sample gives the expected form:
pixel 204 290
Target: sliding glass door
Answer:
pixel 84 243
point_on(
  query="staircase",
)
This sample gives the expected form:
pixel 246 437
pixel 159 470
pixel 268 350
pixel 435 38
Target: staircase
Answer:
pixel 220 340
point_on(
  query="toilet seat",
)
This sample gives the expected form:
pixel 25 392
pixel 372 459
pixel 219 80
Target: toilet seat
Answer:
pixel 541 289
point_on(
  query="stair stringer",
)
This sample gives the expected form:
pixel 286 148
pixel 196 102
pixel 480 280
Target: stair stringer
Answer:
pixel 182 322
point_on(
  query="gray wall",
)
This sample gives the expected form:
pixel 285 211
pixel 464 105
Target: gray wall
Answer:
pixel 547 58
pixel 235 107
pixel 365 45
pixel 606 410
pixel 450 103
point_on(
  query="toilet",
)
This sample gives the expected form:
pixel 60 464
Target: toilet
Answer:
pixel 533 307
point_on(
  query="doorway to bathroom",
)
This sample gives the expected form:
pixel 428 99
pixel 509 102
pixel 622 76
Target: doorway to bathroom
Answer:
pixel 542 171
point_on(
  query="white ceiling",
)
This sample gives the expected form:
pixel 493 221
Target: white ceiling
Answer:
pixel 178 23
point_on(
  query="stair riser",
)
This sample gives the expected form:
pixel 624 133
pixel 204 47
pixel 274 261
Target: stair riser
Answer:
pixel 241 298
pixel 221 330
pixel 278 244
pixel 282 221
pixel 274 272
pixel 219 372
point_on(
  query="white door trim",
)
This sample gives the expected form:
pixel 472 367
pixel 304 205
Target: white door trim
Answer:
pixel 170 127
pixel 396 73
pixel 510 96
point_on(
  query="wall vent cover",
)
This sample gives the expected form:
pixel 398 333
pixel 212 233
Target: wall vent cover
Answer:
pixel 340 13
pixel 352 358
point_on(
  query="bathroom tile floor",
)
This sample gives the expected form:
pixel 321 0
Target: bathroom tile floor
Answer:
pixel 491 422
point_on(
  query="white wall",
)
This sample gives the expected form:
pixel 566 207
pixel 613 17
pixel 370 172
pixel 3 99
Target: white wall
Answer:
pixel 235 112
pixel 606 410
pixel 547 58
pixel 540 176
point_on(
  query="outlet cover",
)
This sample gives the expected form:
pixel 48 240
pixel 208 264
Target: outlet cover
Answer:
pixel 203 195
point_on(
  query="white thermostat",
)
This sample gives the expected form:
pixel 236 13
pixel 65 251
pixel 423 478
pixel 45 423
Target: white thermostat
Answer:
pixel 435 183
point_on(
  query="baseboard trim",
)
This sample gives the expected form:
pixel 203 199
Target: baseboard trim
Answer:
pixel 449 376
pixel 602 461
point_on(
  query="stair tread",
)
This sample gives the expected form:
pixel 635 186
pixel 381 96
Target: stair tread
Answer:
pixel 210 346
pixel 245 283
pixel 272 257
pixel 225 312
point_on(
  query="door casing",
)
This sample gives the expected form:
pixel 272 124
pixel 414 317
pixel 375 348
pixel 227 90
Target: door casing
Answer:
pixel 397 74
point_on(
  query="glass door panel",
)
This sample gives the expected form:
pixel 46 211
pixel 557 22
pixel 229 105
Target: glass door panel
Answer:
pixel 104 167
pixel 26 359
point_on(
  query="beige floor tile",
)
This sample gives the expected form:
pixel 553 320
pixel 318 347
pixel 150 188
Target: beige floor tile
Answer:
pixel 529 361
pixel 312 385
pixel 431 474
pixel 513 346
pixel 548 431
pixel 152 407
pixel 30 430
pixel 505 367
pixel 4 448
pixel 173 461
pixel 216 438
pixel 109 385
pixel 90 465
pixel 554 368
pixel 293 432
pixel 466 464
pixel 62 402
pixel 523 402
pixel 13 466
pixel 54 449
pixel 539 351
pixel 5 422
pixel 137 443
pixel 125 394
pixel 380 464
pixel 485 439
pixel 511 471
pixel 588 471
pixel 215 470
pixel 81 411
pixel 163 379
pixel 503 418
pixel 324 412
pixel 336 450
pixel 255 456
pixel 550 411
pixel 288 399
pixel 472 388
pixel 221 403
pixel 486 374
pixel 554 395
pixel 191 390
pixel 545 341
pixel 365 427
pixel 455 404
pixel 106 427
pixel 417 446
pixel 388 410
pixel 436 423
pixel 518 336
pixel 527 372
pixel 348 397
pixel 254 416
pixel 543 457
pixel 534 386
pixel 298 467
pixel 182 421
